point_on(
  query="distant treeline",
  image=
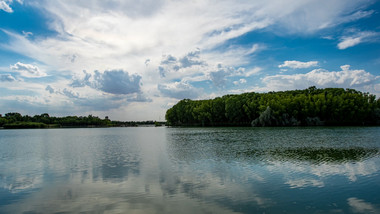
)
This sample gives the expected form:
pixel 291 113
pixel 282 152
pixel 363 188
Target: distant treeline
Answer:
pixel 312 106
pixel 16 120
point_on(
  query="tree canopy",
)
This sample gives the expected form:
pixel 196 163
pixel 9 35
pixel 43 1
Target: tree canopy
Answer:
pixel 312 106
pixel 15 120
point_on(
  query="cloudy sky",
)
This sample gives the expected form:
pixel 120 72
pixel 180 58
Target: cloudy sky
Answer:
pixel 132 60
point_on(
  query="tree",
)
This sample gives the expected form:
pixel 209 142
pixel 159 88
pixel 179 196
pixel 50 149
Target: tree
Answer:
pixel 266 118
pixel 331 106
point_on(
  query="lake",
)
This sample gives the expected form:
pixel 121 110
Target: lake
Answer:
pixel 190 170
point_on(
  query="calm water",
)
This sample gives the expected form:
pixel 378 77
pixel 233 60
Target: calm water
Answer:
pixel 190 170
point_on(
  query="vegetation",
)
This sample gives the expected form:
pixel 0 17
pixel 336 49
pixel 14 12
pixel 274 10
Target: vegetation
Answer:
pixel 17 121
pixel 312 106
pixel 25 125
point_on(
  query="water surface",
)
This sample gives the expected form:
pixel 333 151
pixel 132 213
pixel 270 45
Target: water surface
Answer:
pixel 190 170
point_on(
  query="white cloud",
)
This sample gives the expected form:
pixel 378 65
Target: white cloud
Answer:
pixel 219 75
pixel 87 99
pixel 234 55
pixel 250 72
pixel 349 42
pixel 170 64
pixel 69 93
pixel 307 17
pixel 4 5
pixel 134 36
pixel 111 81
pixel 254 49
pixel 346 78
pixel 27 34
pixel 359 15
pixel 112 32
pixel 179 90
pixel 298 64
pixel 357 38
pixel 27 70
pixel 117 82
pixel 241 81
pixel 105 34
pixel 82 81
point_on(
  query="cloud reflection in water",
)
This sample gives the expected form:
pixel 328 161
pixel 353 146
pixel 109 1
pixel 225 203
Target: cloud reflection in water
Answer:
pixel 164 170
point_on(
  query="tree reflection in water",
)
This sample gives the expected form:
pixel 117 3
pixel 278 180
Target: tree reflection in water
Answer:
pixel 169 170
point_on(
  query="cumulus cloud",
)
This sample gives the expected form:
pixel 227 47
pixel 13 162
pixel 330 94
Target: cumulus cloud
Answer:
pixel 297 64
pixel 355 39
pixel 191 59
pixel 81 82
pixel 346 78
pixel 7 78
pixel 93 91
pixel 27 70
pixel 111 81
pixel 219 77
pixel 193 67
pixel 179 90
pixel 117 82
pixel 170 63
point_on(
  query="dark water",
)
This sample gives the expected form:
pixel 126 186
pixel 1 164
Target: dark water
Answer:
pixel 190 170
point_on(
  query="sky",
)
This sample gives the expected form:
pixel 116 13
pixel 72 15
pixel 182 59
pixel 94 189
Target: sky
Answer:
pixel 132 60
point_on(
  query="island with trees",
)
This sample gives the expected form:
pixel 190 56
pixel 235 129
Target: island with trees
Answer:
pixel 308 107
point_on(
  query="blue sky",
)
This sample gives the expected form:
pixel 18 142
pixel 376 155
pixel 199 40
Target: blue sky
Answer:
pixel 132 60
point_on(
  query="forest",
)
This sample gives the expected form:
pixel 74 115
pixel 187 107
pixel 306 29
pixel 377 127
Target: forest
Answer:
pixel 308 107
pixel 15 120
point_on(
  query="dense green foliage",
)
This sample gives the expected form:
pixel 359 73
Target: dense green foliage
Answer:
pixel 312 106
pixel 25 125
pixel 16 120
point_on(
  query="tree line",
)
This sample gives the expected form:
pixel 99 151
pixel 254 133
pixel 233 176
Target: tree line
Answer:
pixel 16 120
pixel 312 106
